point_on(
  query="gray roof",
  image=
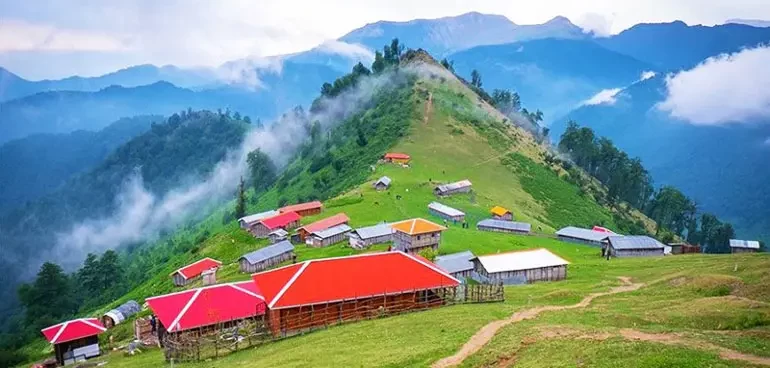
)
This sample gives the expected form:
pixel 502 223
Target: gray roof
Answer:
pixel 455 185
pixel 751 244
pixel 449 211
pixel 384 180
pixel 635 242
pixel 507 225
pixel 279 232
pixel 268 252
pixel 584 234
pixel 332 231
pixel 374 231
pixel 456 262
pixel 258 216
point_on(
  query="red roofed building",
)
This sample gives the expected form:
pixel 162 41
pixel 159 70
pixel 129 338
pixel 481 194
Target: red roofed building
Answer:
pixel 189 273
pixel 303 209
pixel 399 158
pixel 321 292
pixel 75 340
pixel 324 224
pixel 286 221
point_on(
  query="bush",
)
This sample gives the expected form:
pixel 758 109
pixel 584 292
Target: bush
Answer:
pixel 429 254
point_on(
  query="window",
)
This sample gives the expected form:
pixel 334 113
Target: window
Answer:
pixel 418 237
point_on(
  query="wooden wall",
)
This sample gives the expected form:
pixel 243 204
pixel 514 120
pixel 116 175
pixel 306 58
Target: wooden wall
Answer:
pixel 498 230
pixel 742 250
pixel 635 252
pixel 358 243
pixel 318 243
pixel 260 266
pixel 415 243
pixel 554 273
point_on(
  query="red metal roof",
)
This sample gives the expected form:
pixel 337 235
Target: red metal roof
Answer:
pixel 301 207
pixel 196 268
pixel 397 156
pixel 360 276
pixel 603 230
pixel 326 223
pixel 208 305
pixel 73 330
pixel 281 220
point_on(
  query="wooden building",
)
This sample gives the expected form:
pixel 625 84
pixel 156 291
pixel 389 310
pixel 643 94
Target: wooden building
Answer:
pixel 583 236
pixel 324 292
pixel 397 158
pixel 75 340
pixel 446 212
pixel 634 246
pixel 304 209
pixel 462 186
pixel 285 221
pixel 501 213
pixel 319 225
pixel 367 236
pixel 193 271
pixel 247 221
pixel 504 226
pixel 278 235
pixel 744 246
pixel 327 237
pixel 269 256
pixel 381 184
pixel 683 248
pixel 521 267
pixel 459 265
pixel 412 236
pixel 120 314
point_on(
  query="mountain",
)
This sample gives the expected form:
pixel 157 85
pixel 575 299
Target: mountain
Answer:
pixel 750 22
pixel 674 46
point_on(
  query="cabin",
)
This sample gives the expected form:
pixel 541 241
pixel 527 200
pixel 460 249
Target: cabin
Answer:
pixel 396 158
pixel 327 237
pixel 462 186
pixel 285 221
pixel 367 236
pixel 520 267
pixel 501 213
pixel 193 271
pixel 303 209
pixel 264 258
pixel 120 314
pixel 247 221
pixel 323 292
pixel 412 236
pixel 744 246
pixel 278 235
pixel 459 265
pixel 583 236
pixel 684 248
pixel 75 340
pixel 381 184
pixel 446 212
pixel 319 225
pixel 504 226
pixel 634 246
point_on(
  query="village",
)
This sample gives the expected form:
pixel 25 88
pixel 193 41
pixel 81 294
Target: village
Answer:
pixel 285 296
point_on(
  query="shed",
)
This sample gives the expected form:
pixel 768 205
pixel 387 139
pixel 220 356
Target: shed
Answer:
pixel 501 213
pixel 582 236
pixel 264 258
pixel 303 209
pixel 247 221
pixel 189 273
pixel 521 267
pixel 744 246
pixel 634 246
pixel 394 157
pixel 459 265
pixel 75 340
pixel 121 313
pixel 446 212
pixel 504 226
pixel 412 236
pixel 462 186
pixel 285 221
pixel 366 236
pixel 277 235
pixel 326 223
pixel 327 237
pixel 382 183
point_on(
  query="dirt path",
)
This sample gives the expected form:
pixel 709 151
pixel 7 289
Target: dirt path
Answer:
pixel 485 334
pixel 428 108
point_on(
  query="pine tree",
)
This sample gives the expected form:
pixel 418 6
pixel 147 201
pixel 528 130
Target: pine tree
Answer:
pixel 240 207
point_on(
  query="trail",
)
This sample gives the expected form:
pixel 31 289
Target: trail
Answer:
pixel 486 333
pixel 428 108
pixel 494 157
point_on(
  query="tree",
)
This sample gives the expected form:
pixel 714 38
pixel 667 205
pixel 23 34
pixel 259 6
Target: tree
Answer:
pixel 240 205
pixel 476 79
pixel 378 66
pixel 237 116
pixel 48 297
pixel 360 70
pixel 261 169
pixel 247 119
pixel 361 140
pixel 448 65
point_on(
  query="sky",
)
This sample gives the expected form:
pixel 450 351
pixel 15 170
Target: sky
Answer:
pixel 58 38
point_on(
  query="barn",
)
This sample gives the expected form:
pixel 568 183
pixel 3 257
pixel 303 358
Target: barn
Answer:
pixel 75 340
pixel 683 248
pixel 247 221
pixel 462 186
pixel 446 212
pixel 501 213
pixel 323 292
pixel 398 158
pixel 412 236
pixel 327 237
pixel 121 313
pixel 504 226
pixel 370 235
pixel 743 246
pixel 269 256
pixel 521 267
pixel 583 236
pixel 191 272
pixel 634 246
pixel 278 235
pixel 303 209
pixel 459 265
pixel 381 184
pixel 285 221
pixel 319 225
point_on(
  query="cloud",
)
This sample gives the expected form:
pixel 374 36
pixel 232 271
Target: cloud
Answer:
pixel 604 97
pixel 350 50
pixel 247 71
pixel 647 75
pixel 722 90
pixel 18 36
pixel 598 24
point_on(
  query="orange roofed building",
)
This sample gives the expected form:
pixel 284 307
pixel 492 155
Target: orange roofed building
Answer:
pixel 412 236
pixel 324 224
pixel 303 209
pixel 399 158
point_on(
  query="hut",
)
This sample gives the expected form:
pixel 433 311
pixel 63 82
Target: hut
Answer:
pixel 209 277
pixel 743 246
pixel 247 221
pixel 521 267
pixel 75 340
pixel 120 314
pixel 504 226
pixel 446 212
pixel 462 186
pixel 583 236
pixel 323 292
pixel 689 248
pixel 396 158
pixel 277 235
pixel 327 237
pixel 412 236
pixel 285 221
pixel 459 265
pixel 304 209
pixel 264 258
pixel 366 236
pixel 634 246
pixel 501 213
pixel 382 183
pixel 319 225
pixel 189 273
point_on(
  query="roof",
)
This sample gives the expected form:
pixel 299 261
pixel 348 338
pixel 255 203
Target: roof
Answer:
pixel 603 230
pixel 73 330
pixel 455 185
pixel 281 220
pixel 397 156
pixel 417 226
pixel 326 223
pixel 584 234
pixel 521 260
pixel 258 216
pixel 279 232
pixel 268 252
pixel 332 231
pixel 384 180
pixel 449 211
pixel 208 305
pixel 506 225
pixel 751 244
pixel 374 231
pixel 346 278
pixel 499 211
pixel 456 262
pixel 196 268
pixel 635 242
pixel 301 207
